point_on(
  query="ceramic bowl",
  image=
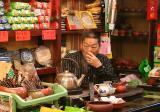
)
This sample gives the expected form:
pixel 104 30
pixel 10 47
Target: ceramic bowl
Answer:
pixel 119 105
pixel 152 81
pixel 99 106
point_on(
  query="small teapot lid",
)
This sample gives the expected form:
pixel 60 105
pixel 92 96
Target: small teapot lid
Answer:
pixel 67 74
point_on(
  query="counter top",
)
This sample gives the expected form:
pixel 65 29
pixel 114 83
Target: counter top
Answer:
pixel 140 105
pixel 84 94
pixel 137 103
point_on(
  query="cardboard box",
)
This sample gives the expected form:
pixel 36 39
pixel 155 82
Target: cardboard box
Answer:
pixel 74 22
pixel 87 19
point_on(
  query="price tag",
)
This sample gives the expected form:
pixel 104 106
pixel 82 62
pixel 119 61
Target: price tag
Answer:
pixel 3 36
pixel 73 27
pixel 23 35
pixel 48 34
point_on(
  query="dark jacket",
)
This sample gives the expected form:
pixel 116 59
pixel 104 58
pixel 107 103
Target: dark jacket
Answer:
pixel 97 75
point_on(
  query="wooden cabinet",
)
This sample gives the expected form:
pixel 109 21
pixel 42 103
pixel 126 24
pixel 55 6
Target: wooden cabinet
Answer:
pixel 47 74
pixel 132 39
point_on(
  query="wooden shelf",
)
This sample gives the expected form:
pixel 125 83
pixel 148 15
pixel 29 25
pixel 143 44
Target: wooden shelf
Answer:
pixel 80 31
pixel 47 70
pixel 34 33
pixel 131 38
pixel 132 13
pixel 36 40
pixel 44 71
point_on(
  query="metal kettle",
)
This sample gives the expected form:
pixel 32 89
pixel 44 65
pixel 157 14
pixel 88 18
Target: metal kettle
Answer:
pixel 68 79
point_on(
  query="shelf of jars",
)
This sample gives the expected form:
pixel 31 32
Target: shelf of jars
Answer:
pixel 132 12
pixel 125 65
pixel 129 35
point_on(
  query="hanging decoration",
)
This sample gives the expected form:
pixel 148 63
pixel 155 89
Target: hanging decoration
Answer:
pixel 113 15
pixel 152 9
pixel 110 14
pixel 105 47
pixel 106 16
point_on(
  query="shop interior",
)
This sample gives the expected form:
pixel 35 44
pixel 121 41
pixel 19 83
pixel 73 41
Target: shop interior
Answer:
pixel 37 35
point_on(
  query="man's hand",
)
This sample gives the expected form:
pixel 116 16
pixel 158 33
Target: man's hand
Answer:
pixel 93 60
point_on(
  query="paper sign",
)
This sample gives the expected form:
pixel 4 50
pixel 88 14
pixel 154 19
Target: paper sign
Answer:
pixel 152 9
pixel 23 35
pixel 3 36
pixel 105 47
pixel 48 34
pixel 73 27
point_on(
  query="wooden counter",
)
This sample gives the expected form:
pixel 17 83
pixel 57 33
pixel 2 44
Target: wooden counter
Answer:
pixel 141 105
pixel 138 103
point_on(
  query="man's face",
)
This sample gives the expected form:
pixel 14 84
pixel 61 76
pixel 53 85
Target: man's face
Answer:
pixel 90 45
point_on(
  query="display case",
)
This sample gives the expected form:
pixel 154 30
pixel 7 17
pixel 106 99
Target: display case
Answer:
pixel 47 34
pixel 132 37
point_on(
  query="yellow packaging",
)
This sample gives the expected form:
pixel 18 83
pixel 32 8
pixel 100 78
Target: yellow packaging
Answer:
pixel 87 19
pixel 46 109
pixel 74 22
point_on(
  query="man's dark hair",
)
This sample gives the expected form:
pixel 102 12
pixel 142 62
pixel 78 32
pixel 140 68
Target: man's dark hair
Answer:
pixel 90 34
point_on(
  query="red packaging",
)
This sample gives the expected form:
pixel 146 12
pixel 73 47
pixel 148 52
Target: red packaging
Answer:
pixel 48 34
pixel 44 26
pixel 43 19
pixel 152 9
pixel 54 25
pixel 41 12
pixel 57 7
pixel 48 12
pixel 36 27
pixel 41 5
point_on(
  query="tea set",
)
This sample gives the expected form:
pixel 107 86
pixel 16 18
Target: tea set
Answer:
pixel 106 88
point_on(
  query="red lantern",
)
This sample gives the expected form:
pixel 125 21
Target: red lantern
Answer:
pixel 152 9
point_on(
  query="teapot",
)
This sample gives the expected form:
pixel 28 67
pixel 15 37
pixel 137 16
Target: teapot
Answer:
pixel 104 89
pixel 120 87
pixel 68 79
